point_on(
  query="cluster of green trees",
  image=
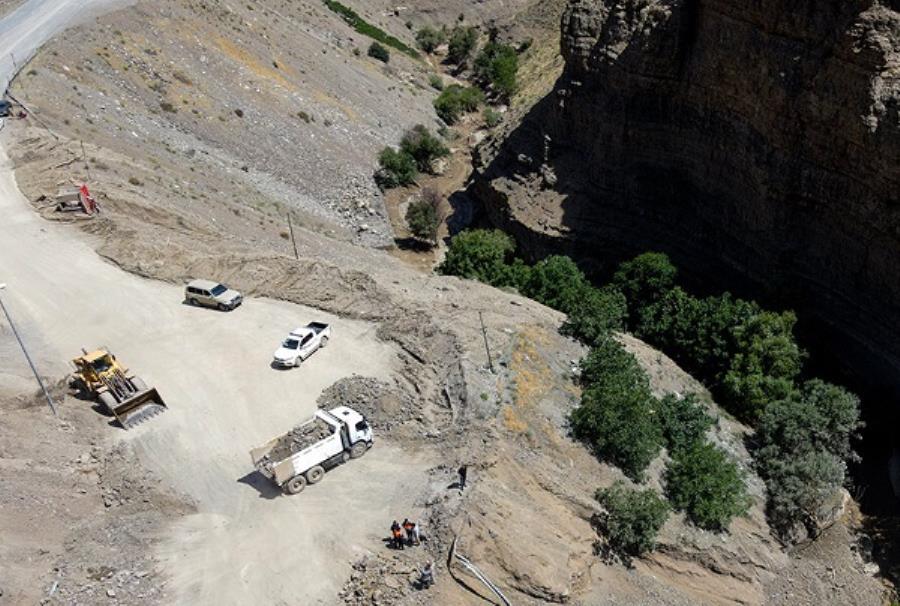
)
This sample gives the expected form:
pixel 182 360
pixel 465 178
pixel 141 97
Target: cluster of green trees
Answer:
pixel 750 360
pixel 627 426
pixel 747 356
pixel 419 148
pixel 362 26
pixel 495 69
pixel 456 100
pixel 489 256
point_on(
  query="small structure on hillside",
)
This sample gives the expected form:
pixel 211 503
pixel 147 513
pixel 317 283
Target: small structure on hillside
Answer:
pixel 76 199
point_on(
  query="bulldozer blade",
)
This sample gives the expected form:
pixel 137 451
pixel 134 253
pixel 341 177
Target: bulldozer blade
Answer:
pixel 139 408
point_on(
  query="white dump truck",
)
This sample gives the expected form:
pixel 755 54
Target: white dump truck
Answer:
pixel 302 455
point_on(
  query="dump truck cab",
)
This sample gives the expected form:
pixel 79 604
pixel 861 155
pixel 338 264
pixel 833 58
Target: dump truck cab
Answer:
pixel 355 425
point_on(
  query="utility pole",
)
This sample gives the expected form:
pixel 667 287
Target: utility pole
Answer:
pixel 487 347
pixel 294 242
pixel 27 357
pixel 87 168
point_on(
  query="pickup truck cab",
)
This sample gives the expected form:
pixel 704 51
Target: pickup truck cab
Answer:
pixel 301 343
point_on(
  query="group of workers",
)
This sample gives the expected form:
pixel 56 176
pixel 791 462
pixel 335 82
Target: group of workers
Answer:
pixel 412 530
pixel 409 533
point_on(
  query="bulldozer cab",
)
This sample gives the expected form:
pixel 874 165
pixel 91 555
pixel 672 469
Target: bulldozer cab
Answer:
pixel 95 364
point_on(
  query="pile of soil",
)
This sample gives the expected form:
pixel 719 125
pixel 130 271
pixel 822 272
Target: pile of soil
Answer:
pixel 81 516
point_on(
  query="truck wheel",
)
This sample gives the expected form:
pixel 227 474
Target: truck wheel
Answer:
pixel 315 474
pixel 345 456
pixel 295 485
pixel 138 383
pixel 222 307
pixel 323 342
pixel 108 400
pixel 193 301
pixel 358 450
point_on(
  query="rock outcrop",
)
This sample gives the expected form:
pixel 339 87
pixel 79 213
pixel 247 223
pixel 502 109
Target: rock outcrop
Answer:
pixel 758 143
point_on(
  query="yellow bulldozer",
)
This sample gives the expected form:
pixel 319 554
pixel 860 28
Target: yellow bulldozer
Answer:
pixel 125 396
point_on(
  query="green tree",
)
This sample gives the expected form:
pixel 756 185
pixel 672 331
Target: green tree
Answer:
pixel 377 51
pixel 706 483
pixel 497 67
pixel 599 312
pixel 423 220
pixel 745 355
pixel 424 147
pixel 804 442
pixel 557 282
pixel 684 421
pixel 462 43
pixel 765 361
pixel 455 101
pixel 396 168
pixel 485 255
pixel 633 518
pixel 608 361
pixel 616 414
pixel 429 38
pixel 798 486
pixel 645 279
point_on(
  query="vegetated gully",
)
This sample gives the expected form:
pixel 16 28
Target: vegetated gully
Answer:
pixel 828 358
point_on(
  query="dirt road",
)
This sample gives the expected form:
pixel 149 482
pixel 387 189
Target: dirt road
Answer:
pixel 31 23
pixel 247 544
pixel 213 369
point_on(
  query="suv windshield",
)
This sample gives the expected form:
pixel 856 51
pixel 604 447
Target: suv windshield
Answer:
pixel 218 290
pixel 291 343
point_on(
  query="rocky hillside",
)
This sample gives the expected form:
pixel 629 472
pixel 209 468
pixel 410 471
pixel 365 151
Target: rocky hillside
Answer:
pixel 758 144
pixel 203 123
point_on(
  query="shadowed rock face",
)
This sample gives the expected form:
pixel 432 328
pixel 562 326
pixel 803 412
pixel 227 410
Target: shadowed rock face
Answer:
pixel 757 142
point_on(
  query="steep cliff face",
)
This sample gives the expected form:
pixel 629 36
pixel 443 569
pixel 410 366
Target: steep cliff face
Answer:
pixel 757 142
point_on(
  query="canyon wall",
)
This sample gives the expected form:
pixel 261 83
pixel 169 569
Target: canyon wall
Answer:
pixel 755 141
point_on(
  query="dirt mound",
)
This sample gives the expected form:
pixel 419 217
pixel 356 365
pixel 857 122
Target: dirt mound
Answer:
pixel 81 516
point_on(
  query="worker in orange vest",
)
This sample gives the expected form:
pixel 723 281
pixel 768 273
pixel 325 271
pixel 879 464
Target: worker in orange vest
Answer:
pixel 408 527
pixel 397 535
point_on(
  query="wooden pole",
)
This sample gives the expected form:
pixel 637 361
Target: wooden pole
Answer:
pixel 293 241
pixel 487 348
pixel 87 168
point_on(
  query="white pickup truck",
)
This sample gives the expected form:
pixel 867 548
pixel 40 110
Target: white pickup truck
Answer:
pixel 302 455
pixel 302 343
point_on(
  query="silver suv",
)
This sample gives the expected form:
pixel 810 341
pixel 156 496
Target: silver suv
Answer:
pixel 212 294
